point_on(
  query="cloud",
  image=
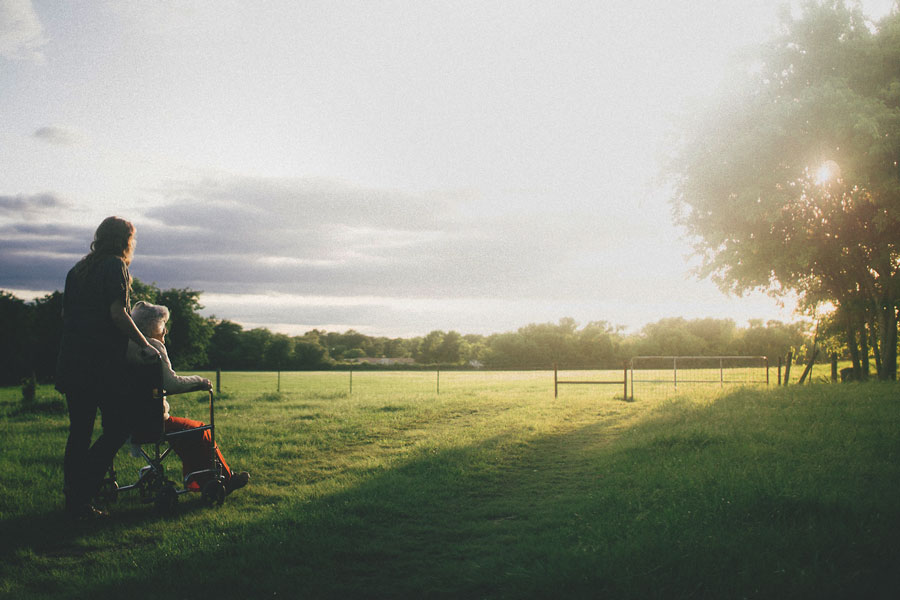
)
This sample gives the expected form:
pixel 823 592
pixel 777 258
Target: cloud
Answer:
pixel 29 206
pixel 59 136
pixel 37 256
pixel 327 238
pixel 307 253
pixel 21 32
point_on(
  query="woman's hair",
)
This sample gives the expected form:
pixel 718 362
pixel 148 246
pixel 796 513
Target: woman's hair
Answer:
pixel 149 318
pixel 114 237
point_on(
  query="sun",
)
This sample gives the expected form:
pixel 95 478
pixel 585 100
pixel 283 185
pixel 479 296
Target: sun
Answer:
pixel 829 172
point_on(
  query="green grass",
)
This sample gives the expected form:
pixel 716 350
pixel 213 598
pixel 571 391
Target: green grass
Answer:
pixel 490 489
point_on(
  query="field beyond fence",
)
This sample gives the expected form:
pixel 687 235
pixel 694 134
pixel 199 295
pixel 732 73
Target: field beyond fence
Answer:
pixel 655 379
pixel 487 488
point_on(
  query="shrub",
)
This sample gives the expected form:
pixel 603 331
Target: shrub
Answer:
pixel 29 387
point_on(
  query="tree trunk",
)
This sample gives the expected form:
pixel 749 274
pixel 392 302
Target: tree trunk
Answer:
pixel 887 332
pixel 863 350
pixel 853 347
pixel 876 351
pixel 812 357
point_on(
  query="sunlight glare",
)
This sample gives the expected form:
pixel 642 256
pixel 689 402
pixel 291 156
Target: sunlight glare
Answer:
pixel 829 172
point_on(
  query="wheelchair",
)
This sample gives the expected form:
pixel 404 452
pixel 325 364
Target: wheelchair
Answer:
pixel 144 390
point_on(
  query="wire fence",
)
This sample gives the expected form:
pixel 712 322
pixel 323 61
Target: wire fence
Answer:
pixel 377 382
pixel 644 377
pixel 386 383
pixel 669 375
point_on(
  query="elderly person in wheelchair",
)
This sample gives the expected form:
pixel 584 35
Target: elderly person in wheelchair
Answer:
pixel 194 451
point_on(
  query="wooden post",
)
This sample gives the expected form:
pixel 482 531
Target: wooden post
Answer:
pixel 278 388
pixel 834 371
pixel 807 372
pixel 625 380
pixel 721 375
pixel 779 371
pixel 787 367
pixel 555 382
pixel 218 381
pixel 675 371
pixel 632 378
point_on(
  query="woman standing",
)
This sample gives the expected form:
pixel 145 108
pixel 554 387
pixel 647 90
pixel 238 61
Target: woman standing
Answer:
pixel 96 329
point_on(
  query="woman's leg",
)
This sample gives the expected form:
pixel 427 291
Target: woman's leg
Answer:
pixel 82 413
pixel 194 451
pixel 117 420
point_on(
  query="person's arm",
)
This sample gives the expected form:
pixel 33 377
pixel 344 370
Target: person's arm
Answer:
pixel 122 320
pixel 174 383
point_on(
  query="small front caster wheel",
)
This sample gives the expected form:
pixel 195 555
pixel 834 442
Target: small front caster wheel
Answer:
pixel 214 493
pixel 166 500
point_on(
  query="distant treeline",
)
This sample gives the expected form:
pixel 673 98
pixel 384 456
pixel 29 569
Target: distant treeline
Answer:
pixel 31 333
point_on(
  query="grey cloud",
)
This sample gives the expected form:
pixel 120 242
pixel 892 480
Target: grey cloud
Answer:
pixel 38 256
pixel 279 203
pixel 338 240
pixel 22 205
pixel 33 271
pixel 59 136
pixel 324 238
pixel 455 265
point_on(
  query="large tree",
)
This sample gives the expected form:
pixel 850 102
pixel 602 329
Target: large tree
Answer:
pixel 789 178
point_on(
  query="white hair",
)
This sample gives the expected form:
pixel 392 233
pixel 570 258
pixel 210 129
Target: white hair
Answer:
pixel 149 318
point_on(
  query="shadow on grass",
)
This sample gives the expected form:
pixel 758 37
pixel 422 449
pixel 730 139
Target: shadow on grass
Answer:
pixel 693 502
pixel 38 407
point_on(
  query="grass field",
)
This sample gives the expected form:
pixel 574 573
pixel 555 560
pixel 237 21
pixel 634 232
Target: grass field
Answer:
pixel 488 489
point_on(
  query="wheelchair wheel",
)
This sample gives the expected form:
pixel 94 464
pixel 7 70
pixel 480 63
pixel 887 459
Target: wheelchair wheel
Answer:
pixel 166 499
pixel 213 493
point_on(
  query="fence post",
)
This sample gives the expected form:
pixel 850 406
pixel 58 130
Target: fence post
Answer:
pixel 625 380
pixel 787 367
pixel 721 375
pixel 632 378
pixel 767 371
pixel 278 388
pixel 779 371
pixel 218 381
pixel 675 371
pixel 834 371
pixel 555 383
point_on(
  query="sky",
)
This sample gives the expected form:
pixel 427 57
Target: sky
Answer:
pixel 393 167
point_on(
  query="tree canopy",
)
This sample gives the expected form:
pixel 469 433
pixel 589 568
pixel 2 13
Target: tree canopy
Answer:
pixel 788 179
pixel 33 329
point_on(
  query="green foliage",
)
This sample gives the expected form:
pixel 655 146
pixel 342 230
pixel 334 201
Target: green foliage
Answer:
pixel 30 337
pixel 189 333
pixel 15 341
pixel 197 342
pixel 773 340
pixel 542 345
pixel 747 180
pixel 225 345
pixel 29 385
pixel 440 348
